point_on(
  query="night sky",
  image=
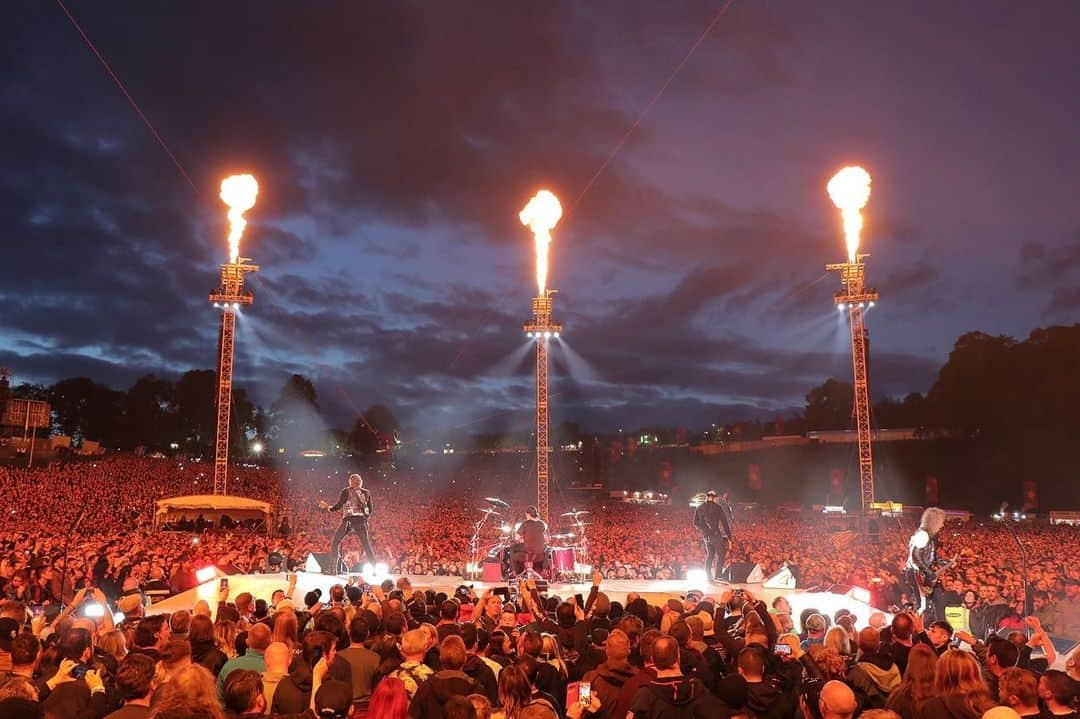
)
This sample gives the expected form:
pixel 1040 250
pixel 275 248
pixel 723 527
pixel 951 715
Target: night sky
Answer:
pixel 395 143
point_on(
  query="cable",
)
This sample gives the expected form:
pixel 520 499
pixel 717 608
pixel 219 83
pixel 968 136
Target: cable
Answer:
pixel 130 99
pixel 656 98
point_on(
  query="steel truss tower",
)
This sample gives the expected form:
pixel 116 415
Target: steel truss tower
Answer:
pixel 857 299
pixel 229 296
pixel 542 329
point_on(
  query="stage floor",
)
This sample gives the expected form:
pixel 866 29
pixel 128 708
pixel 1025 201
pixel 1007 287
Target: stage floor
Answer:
pixel 655 592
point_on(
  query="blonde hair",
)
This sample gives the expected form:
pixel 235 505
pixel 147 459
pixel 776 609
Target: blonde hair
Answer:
pixel 285 629
pixel 112 643
pixel 957 672
pixel 838 640
pixel 225 632
pixel 551 654
pixel 190 691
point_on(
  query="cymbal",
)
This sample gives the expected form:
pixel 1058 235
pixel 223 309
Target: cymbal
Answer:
pixel 575 512
pixel 496 501
pixel 487 510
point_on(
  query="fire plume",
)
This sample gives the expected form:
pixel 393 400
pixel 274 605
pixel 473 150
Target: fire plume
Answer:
pixel 850 189
pixel 239 193
pixel 541 215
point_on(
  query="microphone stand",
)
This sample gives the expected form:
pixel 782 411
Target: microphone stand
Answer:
pixel 1023 559
pixel 67 554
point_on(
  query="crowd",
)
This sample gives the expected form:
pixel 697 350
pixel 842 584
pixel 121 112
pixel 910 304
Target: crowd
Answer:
pixel 396 651
pixel 68 526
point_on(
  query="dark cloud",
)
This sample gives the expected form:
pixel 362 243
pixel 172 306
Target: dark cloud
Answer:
pixel 395 141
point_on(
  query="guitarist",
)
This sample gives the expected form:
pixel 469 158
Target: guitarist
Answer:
pixel 713 520
pixel 355 506
pixel 923 566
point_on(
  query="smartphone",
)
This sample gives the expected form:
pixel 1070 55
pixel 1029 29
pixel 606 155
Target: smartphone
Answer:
pixel 580 600
pixel 36 610
pixel 223 584
pixel 585 693
pixel 782 649
pixel 80 671
pixel 93 610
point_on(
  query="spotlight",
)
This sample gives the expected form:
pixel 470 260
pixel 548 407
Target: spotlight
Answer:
pixel 236 305
pixel 528 334
pixel 257 447
pixel 696 576
pixel 556 334
pixel 862 304
pixel 840 307
pixel 205 574
pixel 547 335
pixel 871 303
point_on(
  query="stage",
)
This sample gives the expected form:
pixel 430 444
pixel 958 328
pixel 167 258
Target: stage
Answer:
pixel 656 592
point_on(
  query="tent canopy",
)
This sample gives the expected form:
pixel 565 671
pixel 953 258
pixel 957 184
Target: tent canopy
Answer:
pixel 211 507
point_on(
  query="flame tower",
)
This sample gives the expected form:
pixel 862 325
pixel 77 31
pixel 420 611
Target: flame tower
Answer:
pixel 542 328
pixel 541 215
pixel 238 192
pixel 850 190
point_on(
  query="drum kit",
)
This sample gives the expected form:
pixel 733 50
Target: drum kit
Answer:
pixel 562 559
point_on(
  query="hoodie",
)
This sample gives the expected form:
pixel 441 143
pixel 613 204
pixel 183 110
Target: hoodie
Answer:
pixel 607 681
pixel 479 671
pixel 433 694
pixel 875 676
pixel 676 698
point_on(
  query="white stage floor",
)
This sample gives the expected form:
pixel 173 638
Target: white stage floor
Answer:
pixel 655 592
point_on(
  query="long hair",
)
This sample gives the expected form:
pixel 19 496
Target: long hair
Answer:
pixel 933 520
pixel 957 673
pixel 838 640
pixel 189 692
pixel 514 691
pixel 226 632
pixel 920 673
pixel 285 629
pixel 112 643
pixel 551 654
pixel 389 700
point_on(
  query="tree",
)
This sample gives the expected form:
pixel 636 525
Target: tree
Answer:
pixel 294 421
pixel 371 427
pixel 195 405
pixel 149 414
pixel 84 409
pixel 830 406
pixel 976 389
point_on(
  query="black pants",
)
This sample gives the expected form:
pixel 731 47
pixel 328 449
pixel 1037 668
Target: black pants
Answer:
pixel 352 523
pixel 715 553
pixel 925 604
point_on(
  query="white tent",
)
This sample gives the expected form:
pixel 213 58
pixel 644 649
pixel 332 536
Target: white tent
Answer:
pixel 211 507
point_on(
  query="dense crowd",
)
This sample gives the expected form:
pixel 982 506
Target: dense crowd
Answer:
pixel 396 651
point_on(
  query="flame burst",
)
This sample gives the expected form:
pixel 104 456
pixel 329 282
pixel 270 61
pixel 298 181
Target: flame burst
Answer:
pixel 540 216
pixel 850 189
pixel 239 193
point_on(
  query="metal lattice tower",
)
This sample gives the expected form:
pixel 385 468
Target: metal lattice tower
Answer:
pixel 542 329
pixel 856 299
pixel 229 296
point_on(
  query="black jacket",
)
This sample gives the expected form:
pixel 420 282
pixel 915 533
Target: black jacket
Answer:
pixel 433 694
pixel 607 682
pixel 677 698
pixel 344 497
pixel 478 670
pixel 711 519
pixel 208 655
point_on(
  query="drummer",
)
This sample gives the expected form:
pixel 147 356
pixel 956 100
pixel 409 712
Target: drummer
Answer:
pixel 533 533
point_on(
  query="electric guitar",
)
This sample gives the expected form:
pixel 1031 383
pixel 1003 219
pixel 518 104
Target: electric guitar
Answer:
pixel 927 588
pixel 326 505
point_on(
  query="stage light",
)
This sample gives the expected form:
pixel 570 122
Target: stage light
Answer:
pixel 205 574
pixel 840 307
pixel 257 447
pixel 556 334
pixel 506 528
pixel 381 569
pixel 369 570
pixel 547 335
pixel 93 610
pixel 871 304
pixel 696 576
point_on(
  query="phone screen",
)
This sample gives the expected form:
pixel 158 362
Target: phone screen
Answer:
pixel 580 600
pixel 223 584
pixel 585 693
pixel 782 649
pixel 79 672
pixel 36 610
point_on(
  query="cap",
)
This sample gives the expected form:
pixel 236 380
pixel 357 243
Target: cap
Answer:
pixel 9 629
pixel 333 700
pixel 711 493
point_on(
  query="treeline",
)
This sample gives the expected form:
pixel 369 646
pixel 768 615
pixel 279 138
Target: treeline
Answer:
pixel 163 415
pixel 1021 397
